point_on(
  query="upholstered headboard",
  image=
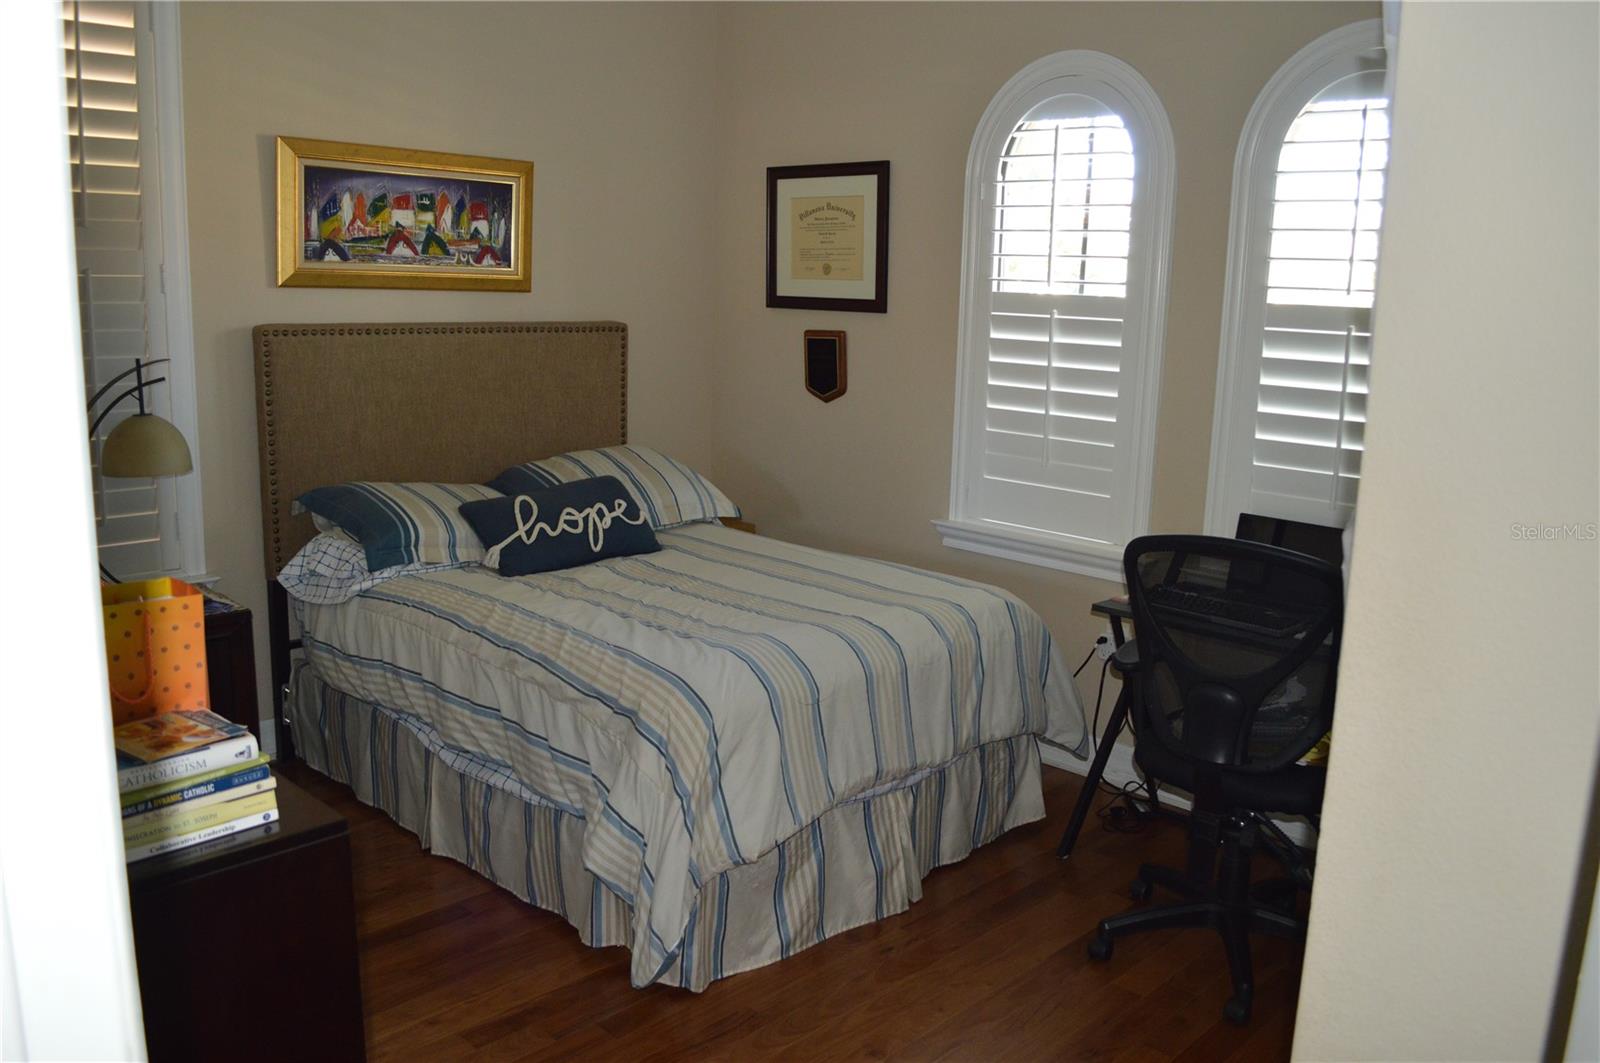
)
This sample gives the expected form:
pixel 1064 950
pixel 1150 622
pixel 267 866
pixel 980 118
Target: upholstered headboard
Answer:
pixel 449 403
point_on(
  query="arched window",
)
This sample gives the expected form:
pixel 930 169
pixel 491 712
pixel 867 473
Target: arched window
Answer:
pixel 1064 277
pixel 1297 318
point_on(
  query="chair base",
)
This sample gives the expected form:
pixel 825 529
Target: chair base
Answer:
pixel 1229 904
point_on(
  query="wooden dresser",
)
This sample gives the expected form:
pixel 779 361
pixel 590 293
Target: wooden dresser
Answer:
pixel 231 662
pixel 247 946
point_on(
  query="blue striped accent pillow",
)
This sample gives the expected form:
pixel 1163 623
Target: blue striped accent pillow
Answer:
pixel 402 523
pixel 669 492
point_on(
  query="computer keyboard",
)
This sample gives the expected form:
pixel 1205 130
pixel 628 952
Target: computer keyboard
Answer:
pixel 1256 616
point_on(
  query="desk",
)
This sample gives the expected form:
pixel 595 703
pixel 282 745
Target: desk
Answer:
pixel 1116 610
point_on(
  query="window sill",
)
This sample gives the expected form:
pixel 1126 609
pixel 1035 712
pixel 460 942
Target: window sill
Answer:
pixel 1033 548
pixel 204 580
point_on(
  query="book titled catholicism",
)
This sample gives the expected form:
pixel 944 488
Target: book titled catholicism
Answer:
pixel 174 745
pixel 197 787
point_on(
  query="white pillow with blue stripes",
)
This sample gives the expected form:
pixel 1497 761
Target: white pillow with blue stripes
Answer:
pixel 668 491
pixel 332 568
pixel 401 523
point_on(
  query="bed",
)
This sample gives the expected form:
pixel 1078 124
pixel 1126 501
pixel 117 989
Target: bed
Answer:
pixel 716 755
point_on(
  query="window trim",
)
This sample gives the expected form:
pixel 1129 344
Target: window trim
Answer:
pixel 171 273
pixel 1154 149
pixel 1308 72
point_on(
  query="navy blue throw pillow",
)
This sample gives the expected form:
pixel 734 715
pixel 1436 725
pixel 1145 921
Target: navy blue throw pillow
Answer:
pixel 560 527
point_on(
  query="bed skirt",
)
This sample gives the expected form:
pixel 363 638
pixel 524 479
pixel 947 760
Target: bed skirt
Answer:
pixel 859 862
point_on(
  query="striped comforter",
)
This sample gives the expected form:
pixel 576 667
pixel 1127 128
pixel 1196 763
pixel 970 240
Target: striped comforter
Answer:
pixel 700 705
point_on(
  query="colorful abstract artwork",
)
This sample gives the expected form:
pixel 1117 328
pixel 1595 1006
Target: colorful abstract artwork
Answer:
pixel 344 219
pixel 405 219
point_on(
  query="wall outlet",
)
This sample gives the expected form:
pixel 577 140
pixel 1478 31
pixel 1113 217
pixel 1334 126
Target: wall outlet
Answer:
pixel 1103 648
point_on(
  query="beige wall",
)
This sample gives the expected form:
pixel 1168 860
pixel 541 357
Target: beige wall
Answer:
pixel 1468 709
pixel 612 103
pixel 811 84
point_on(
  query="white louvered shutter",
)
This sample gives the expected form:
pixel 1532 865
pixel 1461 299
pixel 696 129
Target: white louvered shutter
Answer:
pixel 115 196
pixel 1055 438
pixel 1316 339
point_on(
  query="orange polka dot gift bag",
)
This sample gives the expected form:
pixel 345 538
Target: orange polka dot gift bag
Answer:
pixel 155 647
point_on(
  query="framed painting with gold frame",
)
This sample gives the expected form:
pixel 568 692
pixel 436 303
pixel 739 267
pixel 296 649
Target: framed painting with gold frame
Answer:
pixel 361 216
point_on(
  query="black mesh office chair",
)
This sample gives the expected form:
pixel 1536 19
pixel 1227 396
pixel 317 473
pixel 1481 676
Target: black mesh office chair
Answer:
pixel 1232 669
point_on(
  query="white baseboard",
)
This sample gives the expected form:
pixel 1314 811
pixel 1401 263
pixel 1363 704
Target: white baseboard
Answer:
pixel 1121 770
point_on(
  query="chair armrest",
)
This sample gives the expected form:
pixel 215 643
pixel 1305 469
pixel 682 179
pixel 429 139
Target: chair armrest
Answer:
pixel 1126 660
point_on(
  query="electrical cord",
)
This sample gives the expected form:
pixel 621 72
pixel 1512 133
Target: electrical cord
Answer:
pixel 1099 694
pixel 1132 806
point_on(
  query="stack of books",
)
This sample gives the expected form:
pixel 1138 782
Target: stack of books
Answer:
pixel 189 777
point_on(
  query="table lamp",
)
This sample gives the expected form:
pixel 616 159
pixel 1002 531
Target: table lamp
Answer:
pixel 144 445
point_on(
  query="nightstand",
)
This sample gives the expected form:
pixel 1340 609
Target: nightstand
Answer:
pixel 247 945
pixel 231 661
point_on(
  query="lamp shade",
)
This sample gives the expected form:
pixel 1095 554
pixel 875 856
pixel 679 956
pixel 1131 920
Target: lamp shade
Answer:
pixel 145 445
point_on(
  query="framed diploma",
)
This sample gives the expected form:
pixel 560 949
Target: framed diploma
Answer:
pixel 828 237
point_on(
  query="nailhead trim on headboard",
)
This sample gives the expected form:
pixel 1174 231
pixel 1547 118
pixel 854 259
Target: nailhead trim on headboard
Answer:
pixel 277 556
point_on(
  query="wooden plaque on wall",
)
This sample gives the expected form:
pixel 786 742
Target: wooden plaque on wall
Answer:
pixel 826 375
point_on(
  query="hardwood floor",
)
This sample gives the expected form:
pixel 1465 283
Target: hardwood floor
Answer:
pixel 989 965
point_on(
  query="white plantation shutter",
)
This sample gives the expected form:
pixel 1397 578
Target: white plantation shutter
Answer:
pixel 1061 311
pixel 1316 342
pixel 1297 348
pixel 1051 411
pixel 1311 407
pixel 116 212
pixel 1063 195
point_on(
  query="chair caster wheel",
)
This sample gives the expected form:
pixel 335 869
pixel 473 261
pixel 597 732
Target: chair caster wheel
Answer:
pixel 1100 948
pixel 1237 1010
pixel 1140 890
